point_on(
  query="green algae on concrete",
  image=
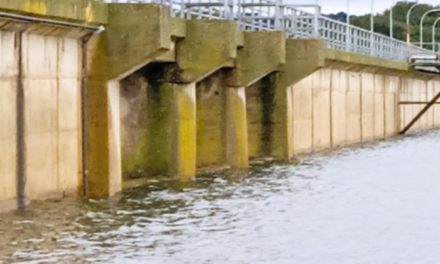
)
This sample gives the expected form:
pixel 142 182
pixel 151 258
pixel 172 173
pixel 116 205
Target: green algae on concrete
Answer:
pixel 236 128
pixel 167 145
pixel 136 35
pixel 98 120
pixel 209 45
pixel 363 60
pixel 87 11
pixel 211 147
pixel 261 54
pixel 303 57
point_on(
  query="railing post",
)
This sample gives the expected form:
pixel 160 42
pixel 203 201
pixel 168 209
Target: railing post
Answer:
pixel 277 23
pixel 182 9
pixel 316 21
pixel 348 38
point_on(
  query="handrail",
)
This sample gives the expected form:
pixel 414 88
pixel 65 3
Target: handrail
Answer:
pixel 295 21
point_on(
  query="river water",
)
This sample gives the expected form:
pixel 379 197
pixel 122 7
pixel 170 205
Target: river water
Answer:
pixel 373 204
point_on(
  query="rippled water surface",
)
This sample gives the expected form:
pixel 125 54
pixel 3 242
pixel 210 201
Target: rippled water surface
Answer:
pixel 376 204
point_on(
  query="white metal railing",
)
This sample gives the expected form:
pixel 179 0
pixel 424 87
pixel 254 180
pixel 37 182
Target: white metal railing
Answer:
pixel 297 21
pixel 192 9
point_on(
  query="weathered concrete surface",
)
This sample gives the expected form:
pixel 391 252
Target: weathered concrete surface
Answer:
pixel 124 48
pixel 354 108
pixel 211 120
pixel 209 45
pixel 302 116
pixel 261 54
pixel 8 87
pixel 134 116
pixel 303 57
pixel 321 109
pixel 130 46
pixel 52 116
pixel 236 128
pixel 392 111
pixel 89 11
pixel 260 115
pixel 357 59
pixel 168 134
pixel 184 128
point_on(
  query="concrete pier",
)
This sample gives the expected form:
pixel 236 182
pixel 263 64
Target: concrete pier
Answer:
pixel 96 98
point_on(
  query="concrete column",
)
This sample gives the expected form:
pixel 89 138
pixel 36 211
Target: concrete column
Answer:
pixel 183 127
pixel 114 137
pixel 236 128
pixel 97 122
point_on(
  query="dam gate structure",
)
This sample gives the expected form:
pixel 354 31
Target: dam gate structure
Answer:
pixel 96 97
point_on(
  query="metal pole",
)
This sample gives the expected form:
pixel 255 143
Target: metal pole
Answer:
pixel 391 19
pixel 372 16
pixel 434 26
pixel 421 24
pixel 372 28
pixel 408 26
pixel 348 32
pixel 316 21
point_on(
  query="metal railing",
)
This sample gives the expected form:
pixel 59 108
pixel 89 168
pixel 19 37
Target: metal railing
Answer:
pixel 297 21
pixel 192 9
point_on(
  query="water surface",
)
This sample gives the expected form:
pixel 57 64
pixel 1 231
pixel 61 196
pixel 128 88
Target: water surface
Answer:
pixel 375 204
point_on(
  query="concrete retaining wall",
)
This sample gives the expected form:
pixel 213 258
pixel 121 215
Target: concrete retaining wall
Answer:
pixel 8 88
pixel 50 75
pixel 52 114
pixel 175 96
pixel 333 107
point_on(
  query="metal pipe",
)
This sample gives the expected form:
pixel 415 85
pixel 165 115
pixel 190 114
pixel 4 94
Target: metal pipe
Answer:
pixel 421 23
pixel 84 113
pixel 372 29
pixel 372 16
pixel 408 26
pixel 20 128
pixel 434 26
pixel 391 18
pixel 24 18
pixel 348 33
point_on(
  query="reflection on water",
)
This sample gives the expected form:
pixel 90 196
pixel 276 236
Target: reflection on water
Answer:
pixel 376 204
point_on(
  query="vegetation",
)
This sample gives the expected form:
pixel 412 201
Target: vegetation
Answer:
pixel 382 21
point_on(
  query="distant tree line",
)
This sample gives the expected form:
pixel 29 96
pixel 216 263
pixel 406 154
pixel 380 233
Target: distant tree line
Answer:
pixel 382 24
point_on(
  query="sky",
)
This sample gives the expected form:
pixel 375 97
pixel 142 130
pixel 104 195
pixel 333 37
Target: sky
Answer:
pixel 357 7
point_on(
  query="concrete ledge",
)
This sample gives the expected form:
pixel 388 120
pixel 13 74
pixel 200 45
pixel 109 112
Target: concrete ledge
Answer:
pixel 303 57
pixel 208 46
pixel 88 11
pixel 262 53
pixel 132 46
pixel 339 56
pixel 178 27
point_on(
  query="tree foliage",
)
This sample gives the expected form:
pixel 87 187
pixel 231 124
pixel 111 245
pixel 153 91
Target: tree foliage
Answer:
pixel 382 22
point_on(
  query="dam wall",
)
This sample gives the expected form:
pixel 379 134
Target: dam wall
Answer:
pixel 40 98
pixel 112 96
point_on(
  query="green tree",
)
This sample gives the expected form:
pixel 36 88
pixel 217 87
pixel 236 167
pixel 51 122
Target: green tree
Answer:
pixel 381 22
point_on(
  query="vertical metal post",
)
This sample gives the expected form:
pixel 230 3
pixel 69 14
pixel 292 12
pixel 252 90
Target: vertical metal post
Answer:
pixel 348 31
pixel 182 9
pixel 277 23
pixel 391 19
pixel 372 28
pixel 421 24
pixel 434 27
pixel 316 21
pixel 20 123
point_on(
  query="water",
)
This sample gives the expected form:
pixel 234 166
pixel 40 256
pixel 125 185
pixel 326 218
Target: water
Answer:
pixel 376 204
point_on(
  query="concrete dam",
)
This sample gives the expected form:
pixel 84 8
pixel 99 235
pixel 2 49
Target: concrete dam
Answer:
pixel 94 96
